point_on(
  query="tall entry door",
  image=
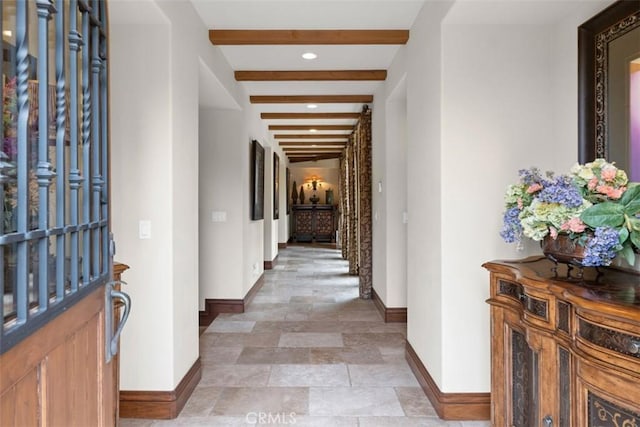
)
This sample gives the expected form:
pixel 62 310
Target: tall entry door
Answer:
pixel 59 332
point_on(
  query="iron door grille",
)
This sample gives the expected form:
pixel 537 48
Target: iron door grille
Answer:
pixel 54 230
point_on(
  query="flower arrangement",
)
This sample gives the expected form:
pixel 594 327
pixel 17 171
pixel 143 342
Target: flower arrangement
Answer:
pixel 595 205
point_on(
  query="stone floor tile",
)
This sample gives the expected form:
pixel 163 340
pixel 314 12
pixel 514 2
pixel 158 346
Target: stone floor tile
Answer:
pixel 387 375
pixel 219 355
pixel 201 402
pixel 246 339
pixel 235 375
pixel 354 401
pixel 273 355
pixel 221 325
pixel 240 401
pixel 310 339
pixel 369 338
pixel 360 354
pixel 309 376
pixel 414 402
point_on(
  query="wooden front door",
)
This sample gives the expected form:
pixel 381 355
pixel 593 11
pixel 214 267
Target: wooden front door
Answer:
pixel 58 338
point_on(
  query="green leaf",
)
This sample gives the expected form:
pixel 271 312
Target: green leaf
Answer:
pixel 635 223
pixel 623 235
pixel 632 193
pixel 604 214
pixel 628 254
pixel 631 200
pixel 635 238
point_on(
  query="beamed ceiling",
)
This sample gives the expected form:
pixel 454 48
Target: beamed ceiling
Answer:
pixel 355 42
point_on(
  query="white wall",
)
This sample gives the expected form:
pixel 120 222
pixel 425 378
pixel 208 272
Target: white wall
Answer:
pixel 483 100
pixel 140 193
pixel 424 235
pixel 389 173
pixel 221 190
pixel 155 177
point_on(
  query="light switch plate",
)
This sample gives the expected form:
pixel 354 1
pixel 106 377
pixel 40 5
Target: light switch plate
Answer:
pixel 144 229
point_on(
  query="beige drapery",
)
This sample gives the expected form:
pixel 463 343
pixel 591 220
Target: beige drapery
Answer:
pixel 355 203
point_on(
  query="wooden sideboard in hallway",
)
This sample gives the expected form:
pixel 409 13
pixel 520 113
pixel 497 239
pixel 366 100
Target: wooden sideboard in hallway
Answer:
pixel 313 223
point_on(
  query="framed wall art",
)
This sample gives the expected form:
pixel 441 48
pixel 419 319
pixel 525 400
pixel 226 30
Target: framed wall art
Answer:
pixel 276 186
pixel 257 180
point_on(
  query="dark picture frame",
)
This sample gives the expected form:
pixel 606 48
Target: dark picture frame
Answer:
pixel 594 37
pixel 288 186
pixel 257 181
pixel 276 186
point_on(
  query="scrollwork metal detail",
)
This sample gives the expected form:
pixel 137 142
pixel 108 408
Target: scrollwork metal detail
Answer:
pixel 606 414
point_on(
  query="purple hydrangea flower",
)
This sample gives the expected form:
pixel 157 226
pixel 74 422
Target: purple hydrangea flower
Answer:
pixel 511 228
pixel 601 249
pixel 561 190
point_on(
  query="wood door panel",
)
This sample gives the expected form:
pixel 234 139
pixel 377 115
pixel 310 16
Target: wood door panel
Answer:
pixel 59 375
pixel 19 404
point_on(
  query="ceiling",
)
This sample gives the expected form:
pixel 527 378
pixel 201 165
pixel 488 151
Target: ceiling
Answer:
pixel 355 42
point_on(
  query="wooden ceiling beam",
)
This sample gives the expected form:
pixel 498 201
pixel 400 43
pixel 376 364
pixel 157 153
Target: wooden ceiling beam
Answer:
pixel 329 75
pixel 312 150
pixel 311 136
pixel 309 116
pixel 314 158
pixel 311 143
pixel 310 37
pixel 309 127
pixel 305 99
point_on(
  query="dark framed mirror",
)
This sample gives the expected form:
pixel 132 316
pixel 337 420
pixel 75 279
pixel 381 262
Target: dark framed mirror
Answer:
pixel 609 86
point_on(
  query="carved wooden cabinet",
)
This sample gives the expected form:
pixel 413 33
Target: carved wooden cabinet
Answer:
pixel 565 350
pixel 313 223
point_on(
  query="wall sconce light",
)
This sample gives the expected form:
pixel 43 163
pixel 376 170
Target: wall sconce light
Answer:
pixel 314 183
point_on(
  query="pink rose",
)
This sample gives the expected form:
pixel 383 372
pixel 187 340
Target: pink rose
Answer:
pixel 593 182
pixel 534 187
pixel 553 232
pixel 609 174
pixel 616 193
pixel 520 204
pixel 575 225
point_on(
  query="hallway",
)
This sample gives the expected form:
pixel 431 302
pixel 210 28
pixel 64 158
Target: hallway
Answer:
pixel 307 352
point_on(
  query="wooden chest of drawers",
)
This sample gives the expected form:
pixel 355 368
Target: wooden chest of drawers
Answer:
pixel 565 351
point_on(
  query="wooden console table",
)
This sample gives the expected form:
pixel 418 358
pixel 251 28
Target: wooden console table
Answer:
pixel 564 351
pixel 313 223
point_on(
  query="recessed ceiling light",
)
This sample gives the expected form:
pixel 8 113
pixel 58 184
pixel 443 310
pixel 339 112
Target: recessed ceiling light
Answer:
pixel 7 33
pixel 312 106
pixel 313 130
pixel 314 145
pixel 309 55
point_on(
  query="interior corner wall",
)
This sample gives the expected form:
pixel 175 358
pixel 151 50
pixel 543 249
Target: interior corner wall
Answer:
pixel 396 201
pixel 141 188
pixel 379 227
pixel 253 234
pixel 221 192
pixel 513 118
pixel 389 174
pixel 424 232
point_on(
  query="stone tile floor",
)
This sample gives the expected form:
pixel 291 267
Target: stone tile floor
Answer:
pixel 307 352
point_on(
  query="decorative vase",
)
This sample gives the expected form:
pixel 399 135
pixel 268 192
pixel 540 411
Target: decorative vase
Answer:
pixel 301 195
pixel 329 197
pixel 294 193
pixel 563 249
pixel 314 198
